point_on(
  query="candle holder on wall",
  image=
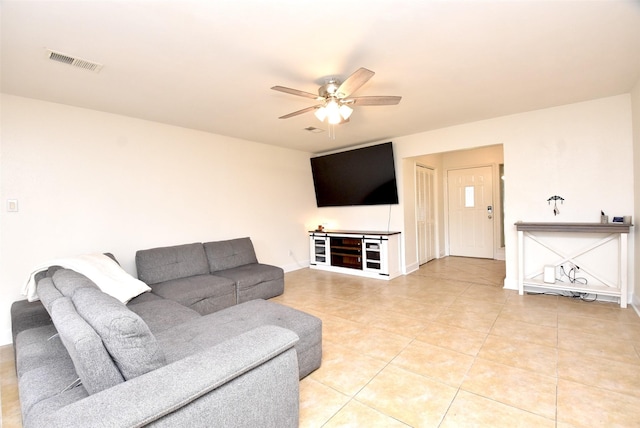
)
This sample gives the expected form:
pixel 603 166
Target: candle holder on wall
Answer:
pixel 555 199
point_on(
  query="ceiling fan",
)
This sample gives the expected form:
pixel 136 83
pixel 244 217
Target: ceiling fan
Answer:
pixel 336 99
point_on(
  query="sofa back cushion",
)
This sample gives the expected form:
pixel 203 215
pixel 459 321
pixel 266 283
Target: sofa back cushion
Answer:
pixel 229 254
pixel 67 281
pixel 125 335
pixel 48 293
pixel 92 362
pixel 166 263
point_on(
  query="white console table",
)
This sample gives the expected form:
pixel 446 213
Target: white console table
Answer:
pixel 364 253
pixel 607 233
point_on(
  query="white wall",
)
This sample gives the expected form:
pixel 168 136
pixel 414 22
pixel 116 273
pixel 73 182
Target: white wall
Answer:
pixel 89 182
pixel 376 217
pixel 582 152
pixel 635 103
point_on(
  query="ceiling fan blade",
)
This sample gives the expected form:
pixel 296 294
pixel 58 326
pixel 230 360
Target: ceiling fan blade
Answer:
pixel 373 101
pixel 354 82
pixel 296 113
pixel 296 92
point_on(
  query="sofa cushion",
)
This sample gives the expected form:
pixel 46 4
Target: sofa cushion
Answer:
pixel 48 293
pixel 128 339
pixel 202 293
pixel 247 276
pixel 37 347
pixel 27 315
pixel 144 297
pixel 67 281
pixel 166 263
pixel 92 362
pixel 63 282
pixel 54 381
pixel 256 281
pixel 199 334
pixel 229 254
pixel 162 314
pixel 46 273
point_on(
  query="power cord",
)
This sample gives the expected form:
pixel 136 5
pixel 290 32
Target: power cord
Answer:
pixel 569 294
pixel 572 275
pixel 574 279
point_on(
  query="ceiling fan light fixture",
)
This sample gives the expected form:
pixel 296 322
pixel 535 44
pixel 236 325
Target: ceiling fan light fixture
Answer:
pixel 334 120
pixel 321 113
pixel 345 111
pixel 333 112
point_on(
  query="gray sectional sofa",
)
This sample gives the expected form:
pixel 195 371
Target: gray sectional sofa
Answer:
pixel 164 359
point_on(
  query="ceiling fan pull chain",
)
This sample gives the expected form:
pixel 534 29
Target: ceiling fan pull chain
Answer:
pixel 332 131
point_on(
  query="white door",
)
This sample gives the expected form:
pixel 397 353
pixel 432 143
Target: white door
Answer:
pixel 471 212
pixel 425 214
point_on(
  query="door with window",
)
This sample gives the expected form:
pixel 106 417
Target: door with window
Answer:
pixel 425 214
pixel 471 212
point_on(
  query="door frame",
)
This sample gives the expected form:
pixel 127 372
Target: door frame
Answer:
pixel 498 251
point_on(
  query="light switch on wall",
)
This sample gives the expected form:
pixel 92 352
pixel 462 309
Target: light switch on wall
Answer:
pixel 12 205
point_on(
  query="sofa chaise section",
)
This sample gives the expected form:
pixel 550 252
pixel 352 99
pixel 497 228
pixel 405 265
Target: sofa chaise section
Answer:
pixel 115 371
pixel 245 381
pixel 209 330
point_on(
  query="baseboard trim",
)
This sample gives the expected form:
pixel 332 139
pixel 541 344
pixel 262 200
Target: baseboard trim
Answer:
pixel 411 268
pixel 510 284
pixel 295 266
pixel 635 303
pixel 6 337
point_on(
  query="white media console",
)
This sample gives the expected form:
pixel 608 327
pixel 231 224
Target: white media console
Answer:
pixel 363 253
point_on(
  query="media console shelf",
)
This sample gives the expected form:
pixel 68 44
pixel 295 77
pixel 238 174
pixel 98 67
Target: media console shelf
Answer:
pixel 364 253
pixel 607 232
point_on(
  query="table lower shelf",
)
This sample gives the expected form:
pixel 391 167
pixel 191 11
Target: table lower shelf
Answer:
pixel 575 288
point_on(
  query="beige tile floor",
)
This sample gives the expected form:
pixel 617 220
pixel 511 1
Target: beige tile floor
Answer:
pixel 447 347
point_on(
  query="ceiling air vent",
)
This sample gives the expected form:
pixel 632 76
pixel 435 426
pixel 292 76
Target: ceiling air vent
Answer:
pixel 313 129
pixel 74 61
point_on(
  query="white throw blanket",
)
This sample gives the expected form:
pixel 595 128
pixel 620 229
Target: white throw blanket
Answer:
pixel 99 268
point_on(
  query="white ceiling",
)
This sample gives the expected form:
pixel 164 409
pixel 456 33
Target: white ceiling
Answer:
pixel 209 65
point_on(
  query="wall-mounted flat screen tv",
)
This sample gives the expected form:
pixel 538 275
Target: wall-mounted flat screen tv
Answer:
pixel 364 176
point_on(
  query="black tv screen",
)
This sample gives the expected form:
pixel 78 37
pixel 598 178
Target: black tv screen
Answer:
pixel 365 176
